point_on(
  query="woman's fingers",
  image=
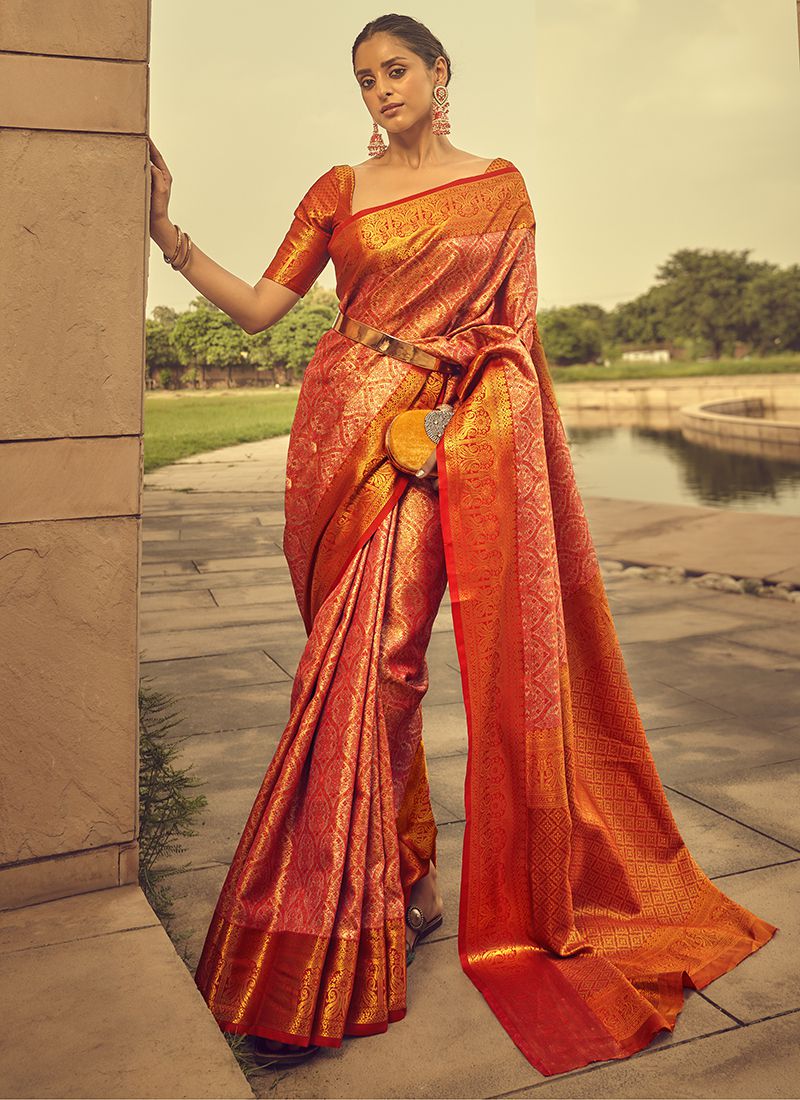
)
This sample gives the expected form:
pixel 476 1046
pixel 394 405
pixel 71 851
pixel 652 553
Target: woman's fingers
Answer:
pixel 157 159
pixel 430 464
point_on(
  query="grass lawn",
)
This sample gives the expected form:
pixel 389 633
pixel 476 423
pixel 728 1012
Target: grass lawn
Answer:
pixel 180 424
pixel 619 369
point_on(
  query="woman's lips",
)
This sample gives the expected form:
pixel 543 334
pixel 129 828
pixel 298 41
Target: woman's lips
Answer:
pixel 393 109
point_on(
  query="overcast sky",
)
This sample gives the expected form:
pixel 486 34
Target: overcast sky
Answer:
pixel 640 126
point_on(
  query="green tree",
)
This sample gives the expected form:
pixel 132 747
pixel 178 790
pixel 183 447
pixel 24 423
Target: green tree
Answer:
pixel 204 335
pixel 704 292
pixel 290 343
pixel 643 320
pixel 771 309
pixel 572 334
pixel 159 351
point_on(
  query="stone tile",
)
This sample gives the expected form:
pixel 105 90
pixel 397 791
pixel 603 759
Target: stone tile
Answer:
pixel 194 895
pixel 230 768
pixel 272 637
pixel 63 920
pixel 91 1048
pixel 768 981
pixel 449 850
pixel 719 845
pixel 444 815
pixel 168 569
pixel 779 639
pixel 279 592
pixel 442 647
pixel 677 621
pixel 762 1060
pixel 286 652
pixel 764 798
pixel 76 95
pixel 155 533
pixel 232 564
pixel 738 679
pixel 162 501
pixel 187 582
pixel 446 775
pixel 217 521
pixel 271 519
pixel 661 705
pixel 197 674
pixel 628 594
pixel 175 601
pixel 703 539
pixel 196 547
pixel 444 728
pixel 196 619
pixel 444 685
pixel 756 608
pixel 233 708
pixel 699 750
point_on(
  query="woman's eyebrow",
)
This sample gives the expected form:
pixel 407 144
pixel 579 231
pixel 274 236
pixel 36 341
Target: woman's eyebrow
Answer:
pixel 360 72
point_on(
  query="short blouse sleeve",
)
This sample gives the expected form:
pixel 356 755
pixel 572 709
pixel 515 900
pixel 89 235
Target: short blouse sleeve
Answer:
pixel 303 252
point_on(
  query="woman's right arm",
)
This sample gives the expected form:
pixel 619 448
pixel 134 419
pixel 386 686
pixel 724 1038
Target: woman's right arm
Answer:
pixel 253 308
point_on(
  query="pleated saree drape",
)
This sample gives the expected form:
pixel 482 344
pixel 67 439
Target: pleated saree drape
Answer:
pixel 582 913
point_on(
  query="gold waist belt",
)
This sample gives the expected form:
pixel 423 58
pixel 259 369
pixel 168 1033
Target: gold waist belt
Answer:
pixel 391 345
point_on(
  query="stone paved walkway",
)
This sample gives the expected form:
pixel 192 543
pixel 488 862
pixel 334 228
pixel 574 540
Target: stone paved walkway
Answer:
pixel 716 679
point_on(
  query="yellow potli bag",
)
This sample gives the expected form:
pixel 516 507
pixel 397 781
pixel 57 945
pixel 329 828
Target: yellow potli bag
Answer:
pixel 410 434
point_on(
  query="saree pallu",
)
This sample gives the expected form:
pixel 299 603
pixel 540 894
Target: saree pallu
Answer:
pixel 582 912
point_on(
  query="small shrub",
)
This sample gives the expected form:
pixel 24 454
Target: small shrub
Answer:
pixel 166 811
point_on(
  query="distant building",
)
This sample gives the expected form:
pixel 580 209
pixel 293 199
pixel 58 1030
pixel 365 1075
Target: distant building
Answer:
pixel 648 353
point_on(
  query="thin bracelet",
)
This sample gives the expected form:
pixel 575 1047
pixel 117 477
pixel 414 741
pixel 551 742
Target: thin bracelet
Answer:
pixel 171 259
pixel 185 260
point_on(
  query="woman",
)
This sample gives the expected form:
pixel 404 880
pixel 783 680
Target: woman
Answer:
pixel 582 913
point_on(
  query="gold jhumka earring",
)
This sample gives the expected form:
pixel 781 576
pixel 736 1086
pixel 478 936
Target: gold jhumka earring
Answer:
pixel 441 121
pixel 441 116
pixel 377 146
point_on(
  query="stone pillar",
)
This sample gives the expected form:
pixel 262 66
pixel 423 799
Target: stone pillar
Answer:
pixel 73 264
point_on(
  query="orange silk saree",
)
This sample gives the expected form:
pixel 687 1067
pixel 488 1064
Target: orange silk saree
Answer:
pixel 582 913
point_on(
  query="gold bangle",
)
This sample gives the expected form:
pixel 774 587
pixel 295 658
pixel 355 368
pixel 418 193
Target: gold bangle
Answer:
pixel 185 260
pixel 171 259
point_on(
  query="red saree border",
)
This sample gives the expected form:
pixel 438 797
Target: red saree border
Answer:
pixel 355 1030
pixel 397 492
pixel 458 629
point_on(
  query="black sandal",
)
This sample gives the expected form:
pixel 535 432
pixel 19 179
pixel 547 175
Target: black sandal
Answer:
pixel 415 919
pixel 289 1056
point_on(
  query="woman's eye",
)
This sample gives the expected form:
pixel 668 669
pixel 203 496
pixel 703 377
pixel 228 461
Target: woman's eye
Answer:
pixel 392 72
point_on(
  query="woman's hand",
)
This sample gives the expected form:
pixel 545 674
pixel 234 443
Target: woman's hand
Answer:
pixel 162 230
pixel 430 464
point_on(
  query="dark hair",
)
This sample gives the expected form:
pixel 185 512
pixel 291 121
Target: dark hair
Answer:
pixel 415 35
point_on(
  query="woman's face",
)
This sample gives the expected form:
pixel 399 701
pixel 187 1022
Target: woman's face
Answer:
pixel 387 72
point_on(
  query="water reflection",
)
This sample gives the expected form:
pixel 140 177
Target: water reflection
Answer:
pixel 647 458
